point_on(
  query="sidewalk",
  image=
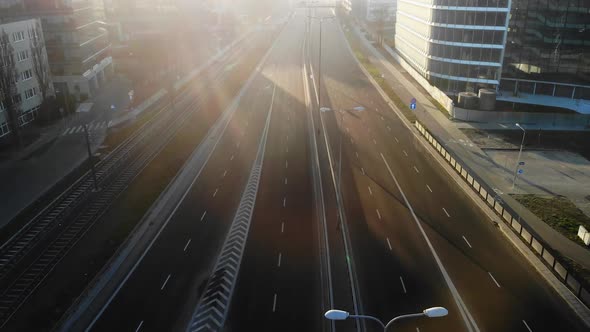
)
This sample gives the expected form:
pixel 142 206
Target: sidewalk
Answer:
pixel 474 158
pixel 38 167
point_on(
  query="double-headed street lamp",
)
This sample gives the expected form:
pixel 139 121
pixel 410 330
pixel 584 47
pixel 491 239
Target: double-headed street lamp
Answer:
pixel 519 154
pixel 430 313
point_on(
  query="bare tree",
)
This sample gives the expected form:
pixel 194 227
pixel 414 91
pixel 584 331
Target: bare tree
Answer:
pixel 8 79
pixel 40 66
pixel 381 15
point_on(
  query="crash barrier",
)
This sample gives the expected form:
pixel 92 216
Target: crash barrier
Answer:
pixel 512 219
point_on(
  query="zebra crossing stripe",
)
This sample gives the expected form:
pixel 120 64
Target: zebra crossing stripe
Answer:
pixel 213 306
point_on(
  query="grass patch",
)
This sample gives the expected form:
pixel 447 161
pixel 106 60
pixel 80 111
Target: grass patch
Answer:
pixel 558 212
pixel 376 74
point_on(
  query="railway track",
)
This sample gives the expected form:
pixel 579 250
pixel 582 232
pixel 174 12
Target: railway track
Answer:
pixel 33 252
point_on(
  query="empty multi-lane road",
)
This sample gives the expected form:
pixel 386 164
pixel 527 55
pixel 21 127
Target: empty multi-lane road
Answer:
pixel 411 239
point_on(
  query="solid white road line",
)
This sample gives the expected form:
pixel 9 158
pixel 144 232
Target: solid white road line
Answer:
pixel 203 216
pixel 465 314
pixel 215 193
pixel 274 303
pixel 403 285
pixel 389 244
pixel 427 186
pixel 224 173
pixel 527 325
pixel 284 201
pixel 378 214
pixel 469 244
pixel 165 282
pixel 445 210
pixel 279 262
pixel 416 169
pixel 405 153
pixel 187 243
pixel 494 279
pixel 232 157
pixel 363 170
pixel 139 326
pixel 370 191
pixel 283 227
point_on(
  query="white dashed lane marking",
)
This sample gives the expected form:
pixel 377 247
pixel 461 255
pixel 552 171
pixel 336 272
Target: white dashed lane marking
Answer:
pixel 274 303
pixel 494 279
pixel 165 282
pixel 445 210
pixel 469 244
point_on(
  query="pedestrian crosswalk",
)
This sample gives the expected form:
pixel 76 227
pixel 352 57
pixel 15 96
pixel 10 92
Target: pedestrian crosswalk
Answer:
pixel 91 127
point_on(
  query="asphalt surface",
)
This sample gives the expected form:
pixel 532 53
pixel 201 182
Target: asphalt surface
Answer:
pixel 416 245
pixel 396 268
pixel 162 290
pixel 278 286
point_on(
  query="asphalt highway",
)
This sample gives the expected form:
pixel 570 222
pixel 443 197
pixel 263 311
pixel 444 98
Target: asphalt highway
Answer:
pixel 163 290
pixel 423 243
pixel 416 240
pixel 278 288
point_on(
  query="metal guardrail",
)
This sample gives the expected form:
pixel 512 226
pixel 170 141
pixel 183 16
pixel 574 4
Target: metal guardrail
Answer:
pixel 65 220
pixel 512 219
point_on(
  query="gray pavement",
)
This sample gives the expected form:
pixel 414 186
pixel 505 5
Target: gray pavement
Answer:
pixel 454 139
pixel 60 149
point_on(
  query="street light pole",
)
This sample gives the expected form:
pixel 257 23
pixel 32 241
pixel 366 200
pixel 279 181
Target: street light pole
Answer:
pixel 430 313
pixel 321 20
pixel 519 154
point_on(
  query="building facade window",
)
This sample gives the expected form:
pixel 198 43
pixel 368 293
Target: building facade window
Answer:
pixel 26 75
pixel 30 93
pixel 18 36
pixel 22 55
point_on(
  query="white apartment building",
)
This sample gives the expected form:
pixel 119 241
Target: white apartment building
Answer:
pixel 20 34
pixel 458 45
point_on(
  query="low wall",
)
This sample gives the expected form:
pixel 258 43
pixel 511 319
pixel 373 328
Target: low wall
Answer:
pixel 510 218
pixel 573 121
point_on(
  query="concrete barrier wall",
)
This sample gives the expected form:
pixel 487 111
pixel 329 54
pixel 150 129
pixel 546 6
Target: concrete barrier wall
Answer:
pixel 546 254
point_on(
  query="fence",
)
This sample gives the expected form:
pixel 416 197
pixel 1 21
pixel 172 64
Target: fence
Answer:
pixel 512 219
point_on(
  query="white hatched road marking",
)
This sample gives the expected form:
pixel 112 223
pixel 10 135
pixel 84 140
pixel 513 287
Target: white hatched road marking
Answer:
pixel 363 170
pixel 203 216
pixel 374 141
pixel 232 157
pixel 213 306
pixel 187 243
pixel 427 186
pixel 224 173
pixel 416 169
pixel 370 191
pixel 389 244
pixel 357 154
pixel 469 244
pixel 527 325
pixel 389 128
pixel 215 193
pixel 445 210
pixel 494 279
pixel 405 153
pixel 397 140
pixel 403 285
pixel 378 214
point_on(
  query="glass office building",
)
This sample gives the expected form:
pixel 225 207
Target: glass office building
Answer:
pixel 548 49
pixel 456 44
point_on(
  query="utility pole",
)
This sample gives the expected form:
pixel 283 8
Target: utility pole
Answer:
pixel 92 169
